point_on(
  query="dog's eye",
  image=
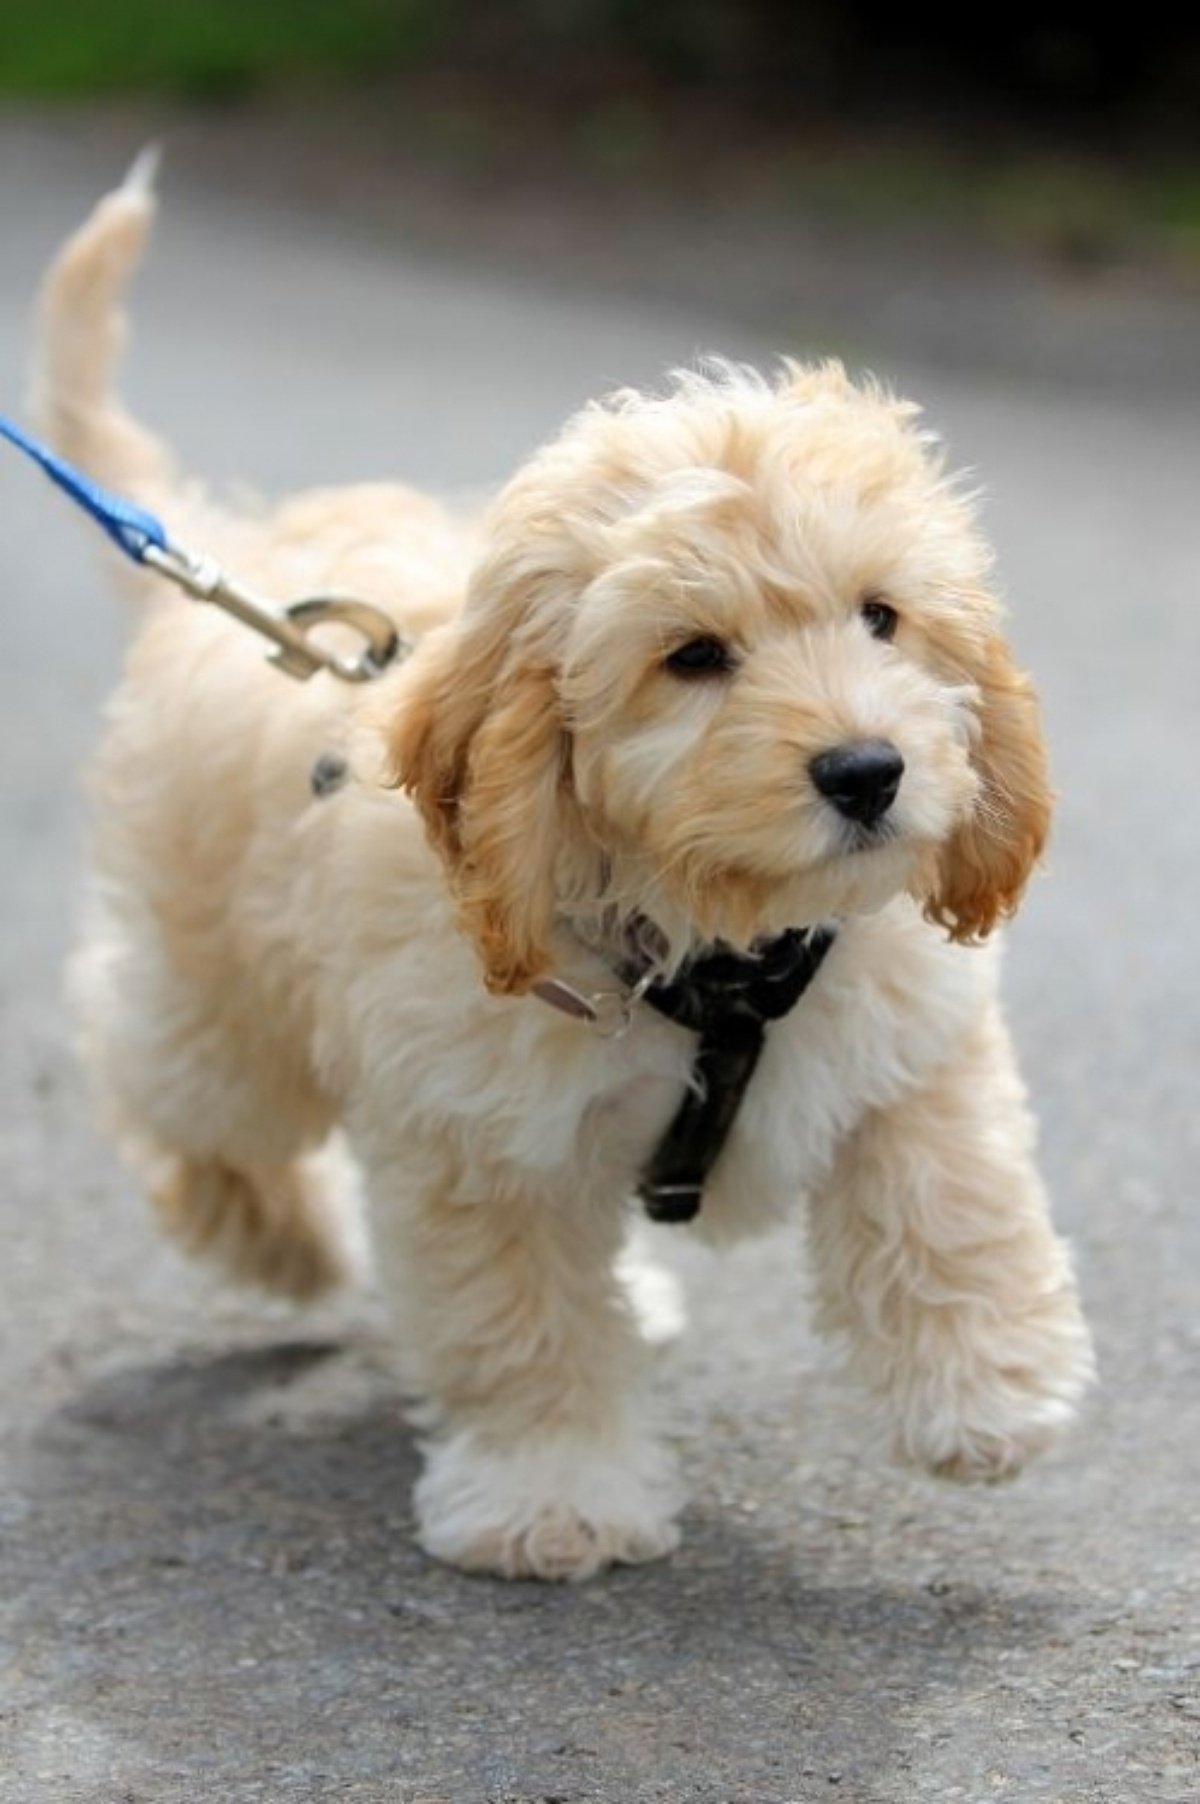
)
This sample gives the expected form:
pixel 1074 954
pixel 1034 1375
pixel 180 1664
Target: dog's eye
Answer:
pixel 705 656
pixel 880 618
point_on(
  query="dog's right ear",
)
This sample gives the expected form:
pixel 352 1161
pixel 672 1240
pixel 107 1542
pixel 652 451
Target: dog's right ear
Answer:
pixel 480 746
pixel 445 699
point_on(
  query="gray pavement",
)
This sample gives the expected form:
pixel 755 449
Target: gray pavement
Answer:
pixel 208 1588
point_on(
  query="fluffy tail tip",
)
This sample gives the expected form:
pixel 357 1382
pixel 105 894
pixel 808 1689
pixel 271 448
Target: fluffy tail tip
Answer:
pixel 81 332
pixel 141 178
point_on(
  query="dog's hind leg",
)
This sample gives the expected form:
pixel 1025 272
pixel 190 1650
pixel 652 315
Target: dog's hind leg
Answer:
pixel 232 1141
pixel 277 1226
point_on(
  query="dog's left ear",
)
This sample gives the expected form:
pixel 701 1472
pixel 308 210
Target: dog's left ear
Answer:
pixel 480 746
pixel 985 866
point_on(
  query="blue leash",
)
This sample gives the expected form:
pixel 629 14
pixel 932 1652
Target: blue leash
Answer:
pixel 143 538
pixel 129 527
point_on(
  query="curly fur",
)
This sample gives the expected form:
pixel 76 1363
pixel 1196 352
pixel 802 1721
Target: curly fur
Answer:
pixel 260 967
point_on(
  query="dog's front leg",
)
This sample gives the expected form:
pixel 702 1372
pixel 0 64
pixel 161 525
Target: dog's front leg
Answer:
pixel 935 1256
pixel 526 1352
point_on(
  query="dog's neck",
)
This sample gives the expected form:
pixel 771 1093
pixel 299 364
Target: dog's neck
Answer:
pixel 678 984
pixel 728 999
pixel 636 952
pixel 621 913
pixel 628 941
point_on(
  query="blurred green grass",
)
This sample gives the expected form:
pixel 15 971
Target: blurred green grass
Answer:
pixel 203 48
pixel 1082 208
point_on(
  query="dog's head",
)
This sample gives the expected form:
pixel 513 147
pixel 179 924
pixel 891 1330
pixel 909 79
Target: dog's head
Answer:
pixel 729 657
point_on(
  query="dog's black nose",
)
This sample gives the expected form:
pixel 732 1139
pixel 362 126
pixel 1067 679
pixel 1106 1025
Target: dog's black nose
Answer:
pixel 860 779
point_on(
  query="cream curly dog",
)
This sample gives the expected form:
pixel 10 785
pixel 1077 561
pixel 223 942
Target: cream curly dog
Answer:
pixel 719 663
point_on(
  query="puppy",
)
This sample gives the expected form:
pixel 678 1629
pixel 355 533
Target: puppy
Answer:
pixel 721 664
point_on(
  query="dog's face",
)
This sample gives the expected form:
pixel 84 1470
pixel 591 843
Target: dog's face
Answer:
pixel 728 657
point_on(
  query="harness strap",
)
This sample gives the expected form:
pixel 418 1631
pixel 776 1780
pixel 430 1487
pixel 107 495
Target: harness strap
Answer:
pixel 728 998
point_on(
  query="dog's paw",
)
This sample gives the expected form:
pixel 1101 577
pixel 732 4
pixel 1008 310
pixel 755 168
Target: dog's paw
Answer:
pixel 991 1407
pixel 558 1542
pixel 983 1458
pixel 557 1509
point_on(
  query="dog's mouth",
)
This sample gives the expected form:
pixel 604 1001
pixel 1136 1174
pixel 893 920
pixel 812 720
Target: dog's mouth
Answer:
pixel 857 837
pixel 862 865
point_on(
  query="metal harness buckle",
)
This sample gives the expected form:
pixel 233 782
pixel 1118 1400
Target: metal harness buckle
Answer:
pixel 609 1013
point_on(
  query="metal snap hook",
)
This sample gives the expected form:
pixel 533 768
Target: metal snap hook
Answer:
pixel 383 644
pixel 289 628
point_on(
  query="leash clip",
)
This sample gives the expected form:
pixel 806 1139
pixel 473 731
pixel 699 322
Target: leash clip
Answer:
pixel 142 537
pixel 289 628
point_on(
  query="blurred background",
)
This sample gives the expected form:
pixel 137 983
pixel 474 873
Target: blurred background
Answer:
pixel 837 173
pixel 407 237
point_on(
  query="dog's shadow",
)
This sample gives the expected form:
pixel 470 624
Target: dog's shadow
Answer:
pixel 227 1540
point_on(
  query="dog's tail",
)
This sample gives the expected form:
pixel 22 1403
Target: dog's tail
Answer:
pixel 81 332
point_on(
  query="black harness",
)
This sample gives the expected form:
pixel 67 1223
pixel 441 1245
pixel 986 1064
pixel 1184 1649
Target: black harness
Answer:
pixel 727 998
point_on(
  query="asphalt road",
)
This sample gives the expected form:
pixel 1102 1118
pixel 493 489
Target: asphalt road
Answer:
pixel 208 1588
